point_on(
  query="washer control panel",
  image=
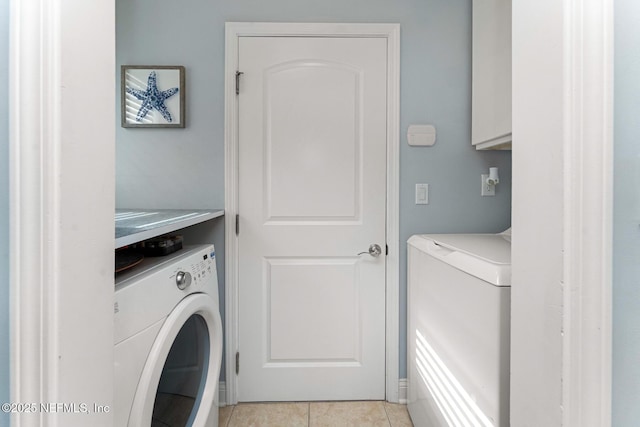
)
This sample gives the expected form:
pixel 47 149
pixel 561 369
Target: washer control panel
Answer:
pixel 191 277
pixel 159 288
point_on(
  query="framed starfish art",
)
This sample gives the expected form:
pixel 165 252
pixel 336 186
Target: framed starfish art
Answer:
pixel 152 96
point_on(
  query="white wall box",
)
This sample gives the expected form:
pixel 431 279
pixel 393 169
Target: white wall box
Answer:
pixel 421 135
pixel 491 81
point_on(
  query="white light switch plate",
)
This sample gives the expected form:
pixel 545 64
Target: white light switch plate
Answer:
pixel 422 194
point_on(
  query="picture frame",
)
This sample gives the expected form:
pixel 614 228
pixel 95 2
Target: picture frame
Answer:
pixel 152 96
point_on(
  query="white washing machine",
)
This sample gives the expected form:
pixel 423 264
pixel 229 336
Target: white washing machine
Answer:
pixel 459 290
pixel 168 341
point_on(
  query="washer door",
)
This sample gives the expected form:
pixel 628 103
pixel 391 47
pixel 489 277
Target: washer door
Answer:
pixel 180 378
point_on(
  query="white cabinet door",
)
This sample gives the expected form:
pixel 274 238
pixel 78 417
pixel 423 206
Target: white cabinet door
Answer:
pixel 312 195
pixel 491 88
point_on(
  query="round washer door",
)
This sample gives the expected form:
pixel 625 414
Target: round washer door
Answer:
pixel 185 357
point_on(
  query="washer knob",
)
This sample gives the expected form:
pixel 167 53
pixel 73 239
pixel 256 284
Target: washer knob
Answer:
pixel 183 279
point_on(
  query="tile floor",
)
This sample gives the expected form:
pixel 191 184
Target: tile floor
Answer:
pixel 315 414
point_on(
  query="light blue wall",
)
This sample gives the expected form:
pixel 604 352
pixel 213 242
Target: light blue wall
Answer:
pixel 172 168
pixel 626 229
pixel 4 207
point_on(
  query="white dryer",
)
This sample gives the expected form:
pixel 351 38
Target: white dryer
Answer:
pixel 459 288
pixel 168 342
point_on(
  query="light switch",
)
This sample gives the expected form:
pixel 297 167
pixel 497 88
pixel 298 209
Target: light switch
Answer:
pixel 422 194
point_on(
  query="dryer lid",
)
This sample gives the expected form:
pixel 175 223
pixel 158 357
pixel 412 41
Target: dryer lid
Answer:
pixel 486 256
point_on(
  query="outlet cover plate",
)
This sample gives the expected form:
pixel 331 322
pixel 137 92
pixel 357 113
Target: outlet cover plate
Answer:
pixel 486 189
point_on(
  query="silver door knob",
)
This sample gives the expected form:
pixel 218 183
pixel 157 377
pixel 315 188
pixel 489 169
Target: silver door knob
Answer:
pixel 183 279
pixel 374 250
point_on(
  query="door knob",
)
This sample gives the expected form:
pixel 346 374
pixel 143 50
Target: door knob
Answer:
pixel 374 250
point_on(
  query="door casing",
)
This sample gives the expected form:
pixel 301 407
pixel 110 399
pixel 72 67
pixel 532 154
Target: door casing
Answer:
pixel 391 32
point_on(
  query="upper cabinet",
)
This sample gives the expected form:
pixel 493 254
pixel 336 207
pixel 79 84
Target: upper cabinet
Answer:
pixel 491 84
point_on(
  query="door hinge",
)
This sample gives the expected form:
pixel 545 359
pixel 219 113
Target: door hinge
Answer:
pixel 237 224
pixel 237 362
pixel 238 74
pixel 386 249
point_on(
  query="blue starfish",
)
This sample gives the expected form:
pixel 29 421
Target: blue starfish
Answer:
pixel 152 98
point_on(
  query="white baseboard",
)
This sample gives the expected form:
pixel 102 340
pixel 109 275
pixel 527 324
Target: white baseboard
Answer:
pixel 402 391
pixel 222 394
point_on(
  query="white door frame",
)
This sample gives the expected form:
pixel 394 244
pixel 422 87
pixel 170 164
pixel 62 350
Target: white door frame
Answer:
pixel 391 32
pixel 580 87
pixel 588 164
pixel 62 203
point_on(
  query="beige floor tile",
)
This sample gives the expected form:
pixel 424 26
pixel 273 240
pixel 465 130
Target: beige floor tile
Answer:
pixel 398 415
pixel 224 414
pixel 347 414
pixel 270 415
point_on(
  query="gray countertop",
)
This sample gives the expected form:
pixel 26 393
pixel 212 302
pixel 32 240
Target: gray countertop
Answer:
pixel 136 225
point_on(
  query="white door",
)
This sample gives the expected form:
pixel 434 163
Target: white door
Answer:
pixel 312 195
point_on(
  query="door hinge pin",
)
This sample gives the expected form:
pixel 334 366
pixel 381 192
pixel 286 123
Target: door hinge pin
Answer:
pixel 237 362
pixel 386 252
pixel 237 224
pixel 238 74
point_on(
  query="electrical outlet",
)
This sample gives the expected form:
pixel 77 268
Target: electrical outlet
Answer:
pixel 487 189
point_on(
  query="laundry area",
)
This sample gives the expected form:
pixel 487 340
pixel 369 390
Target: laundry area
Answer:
pixel 312 214
pixel 296 130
